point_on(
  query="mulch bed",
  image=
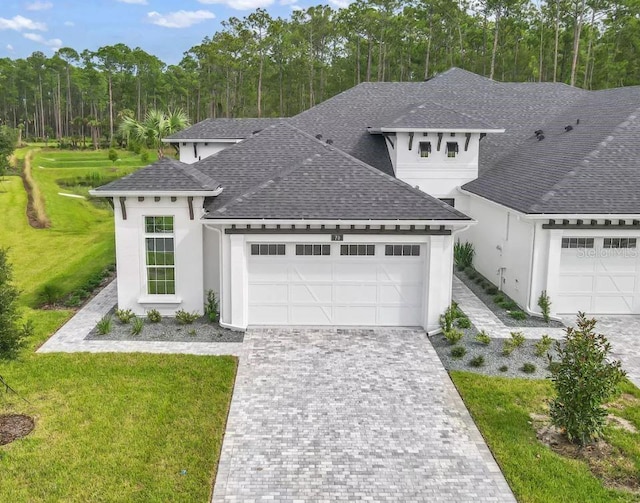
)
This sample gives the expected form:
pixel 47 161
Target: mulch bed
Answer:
pixel 14 426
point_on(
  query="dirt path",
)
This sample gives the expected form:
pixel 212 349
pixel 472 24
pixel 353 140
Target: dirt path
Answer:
pixel 36 213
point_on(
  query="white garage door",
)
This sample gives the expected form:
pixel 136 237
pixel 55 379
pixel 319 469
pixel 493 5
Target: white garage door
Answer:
pixel 599 276
pixel 336 284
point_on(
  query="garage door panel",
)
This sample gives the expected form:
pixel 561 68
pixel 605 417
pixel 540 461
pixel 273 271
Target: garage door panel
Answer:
pixel 400 294
pixel 268 271
pixel 310 271
pixel 403 272
pixel 398 316
pixel 576 283
pixel 622 284
pixel 614 304
pixel 354 315
pixel 270 315
pixel 310 315
pixel 270 293
pixel 351 269
pixel 310 293
pixel 355 294
pixel 573 303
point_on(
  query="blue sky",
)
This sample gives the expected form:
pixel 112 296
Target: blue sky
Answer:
pixel 165 28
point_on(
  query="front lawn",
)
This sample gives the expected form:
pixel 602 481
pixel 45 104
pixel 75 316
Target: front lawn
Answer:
pixel 501 408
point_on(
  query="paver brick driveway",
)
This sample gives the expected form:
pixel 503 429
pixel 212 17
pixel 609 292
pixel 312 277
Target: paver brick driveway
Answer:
pixel 350 415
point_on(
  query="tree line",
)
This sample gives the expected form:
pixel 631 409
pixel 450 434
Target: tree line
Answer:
pixel 264 66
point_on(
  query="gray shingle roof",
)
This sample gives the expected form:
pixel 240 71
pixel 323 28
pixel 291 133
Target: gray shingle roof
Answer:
pixel 164 175
pixel 593 168
pixel 223 128
pixel 432 115
pixel 299 177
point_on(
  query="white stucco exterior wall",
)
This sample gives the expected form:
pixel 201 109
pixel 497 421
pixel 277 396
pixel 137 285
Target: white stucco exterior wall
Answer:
pixel 502 241
pixel 437 175
pixel 131 260
pixel 191 151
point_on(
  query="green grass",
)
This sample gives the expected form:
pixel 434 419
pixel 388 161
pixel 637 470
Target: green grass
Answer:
pixel 501 407
pixel 109 427
pixel 80 241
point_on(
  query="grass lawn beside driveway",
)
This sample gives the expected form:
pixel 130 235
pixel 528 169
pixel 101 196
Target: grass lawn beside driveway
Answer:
pixel 108 427
pixel 501 408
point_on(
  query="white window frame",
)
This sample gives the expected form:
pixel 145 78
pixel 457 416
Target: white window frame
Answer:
pixel 161 235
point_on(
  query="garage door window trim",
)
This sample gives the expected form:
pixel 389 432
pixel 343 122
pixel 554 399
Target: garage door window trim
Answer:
pixel 402 250
pixel 358 250
pixel 269 249
pixel 313 249
pixel 577 242
pixel 620 242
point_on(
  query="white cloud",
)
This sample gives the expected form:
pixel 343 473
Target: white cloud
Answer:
pixel 340 4
pixel 179 19
pixel 137 2
pixel 240 4
pixel 9 48
pixel 69 23
pixel 287 2
pixel 38 5
pixel 19 23
pixel 54 43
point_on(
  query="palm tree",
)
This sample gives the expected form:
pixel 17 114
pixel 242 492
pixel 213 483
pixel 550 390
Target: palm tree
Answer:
pixel 155 126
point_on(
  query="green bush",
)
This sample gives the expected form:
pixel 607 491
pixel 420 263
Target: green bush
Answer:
pixel 471 273
pixel 503 368
pixel 125 315
pixel 137 325
pixel 463 322
pixel 584 380
pixel 186 318
pixel 453 336
pixel 105 325
pixel 113 155
pixel 510 305
pixel 528 368
pixel 543 346
pixel 448 317
pixel 483 338
pixel 50 294
pixel 458 351
pixel 463 254
pixel 517 339
pixel 211 307
pixel 545 305
pixel 13 334
pixel 491 289
pixel 498 298
pixel 477 361
pixel 518 315
pixel 154 316
pixel 144 156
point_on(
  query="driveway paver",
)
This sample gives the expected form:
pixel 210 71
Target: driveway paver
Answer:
pixel 350 415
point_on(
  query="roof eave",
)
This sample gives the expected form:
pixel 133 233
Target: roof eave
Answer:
pixel 457 222
pixel 233 139
pixel 436 130
pixel 149 193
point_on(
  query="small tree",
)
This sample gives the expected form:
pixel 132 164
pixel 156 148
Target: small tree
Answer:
pixel 12 332
pixel 113 155
pixel 584 379
pixel 8 140
pixel 544 302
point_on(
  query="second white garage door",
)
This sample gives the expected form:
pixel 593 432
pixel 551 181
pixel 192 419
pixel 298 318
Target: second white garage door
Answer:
pixel 336 284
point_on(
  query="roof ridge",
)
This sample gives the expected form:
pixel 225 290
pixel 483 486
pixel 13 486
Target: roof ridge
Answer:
pixel 610 136
pixel 189 169
pixel 450 109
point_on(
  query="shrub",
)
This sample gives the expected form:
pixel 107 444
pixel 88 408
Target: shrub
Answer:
pixel 50 294
pixel 491 289
pixel 498 298
pixel 584 379
pixel 510 305
pixel 471 273
pixel 13 334
pixel 125 315
pixel 518 315
pixel 463 322
pixel 543 345
pixel 105 325
pixel 186 318
pixel 503 368
pixel 517 339
pixel 458 351
pixel 449 316
pixel 137 325
pixel 144 156
pixel 453 336
pixel 154 316
pixel 463 254
pixel 545 305
pixel 528 368
pixel 477 361
pixel 483 338
pixel 507 347
pixel 113 155
pixel 211 307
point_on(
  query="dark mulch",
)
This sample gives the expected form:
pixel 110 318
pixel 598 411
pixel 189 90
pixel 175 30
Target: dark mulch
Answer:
pixel 501 313
pixel 169 330
pixel 14 426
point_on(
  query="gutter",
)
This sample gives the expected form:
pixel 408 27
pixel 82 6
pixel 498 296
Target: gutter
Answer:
pixel 148 193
